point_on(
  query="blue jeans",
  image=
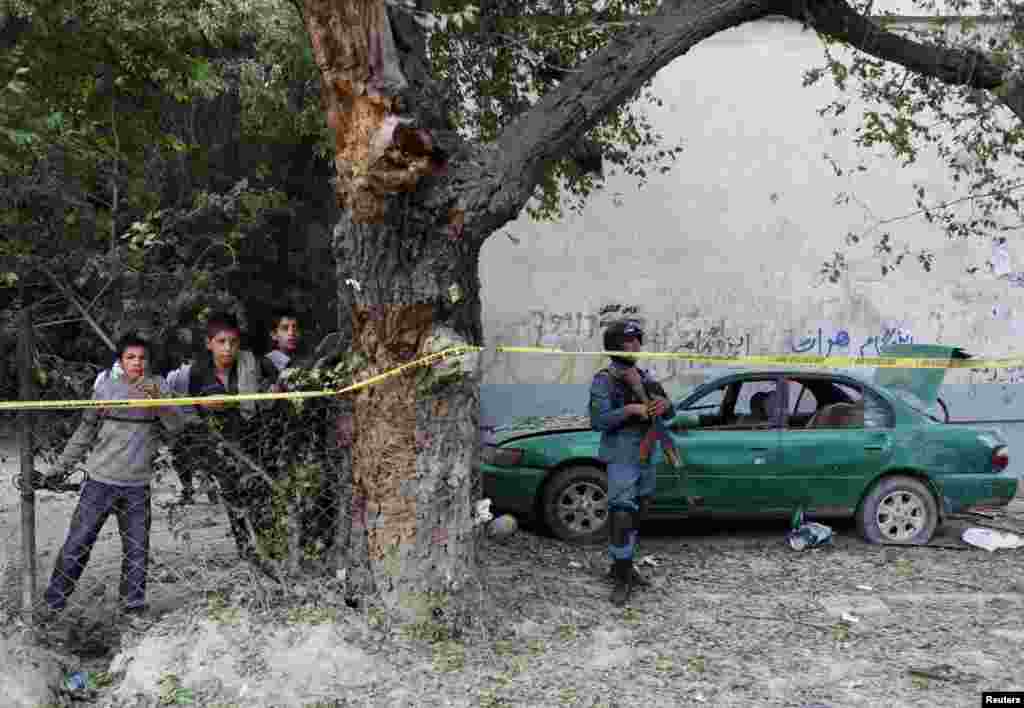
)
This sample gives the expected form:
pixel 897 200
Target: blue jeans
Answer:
pixel 626 483
pixel 132 506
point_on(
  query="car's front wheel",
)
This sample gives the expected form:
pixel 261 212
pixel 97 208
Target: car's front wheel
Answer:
pixel 898 510
pixel 575 505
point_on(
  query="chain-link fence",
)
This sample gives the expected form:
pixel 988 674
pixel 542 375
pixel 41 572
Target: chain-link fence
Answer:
pixel 266 483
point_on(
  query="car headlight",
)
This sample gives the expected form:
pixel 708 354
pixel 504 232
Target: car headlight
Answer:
pixel 501 456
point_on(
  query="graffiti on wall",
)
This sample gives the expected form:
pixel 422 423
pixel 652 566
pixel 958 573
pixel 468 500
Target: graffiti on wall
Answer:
pixel 1010 375
pixel 581 331
pixel 839 341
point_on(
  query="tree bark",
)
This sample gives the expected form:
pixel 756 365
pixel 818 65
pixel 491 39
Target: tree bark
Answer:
pixel 411 474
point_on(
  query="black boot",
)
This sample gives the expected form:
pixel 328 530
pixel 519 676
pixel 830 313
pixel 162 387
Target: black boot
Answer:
pixel 639 580
pixel 620 527
pixel 623 571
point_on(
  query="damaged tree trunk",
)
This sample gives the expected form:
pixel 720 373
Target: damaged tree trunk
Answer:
pixel 405 281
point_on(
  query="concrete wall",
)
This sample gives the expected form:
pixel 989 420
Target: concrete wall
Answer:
pixel 723 254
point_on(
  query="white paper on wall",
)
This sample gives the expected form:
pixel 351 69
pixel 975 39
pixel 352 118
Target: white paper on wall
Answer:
pixel 1000 259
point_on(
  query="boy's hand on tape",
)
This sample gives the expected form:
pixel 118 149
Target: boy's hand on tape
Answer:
pixel 150 389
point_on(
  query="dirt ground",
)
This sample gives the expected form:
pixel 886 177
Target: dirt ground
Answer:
pixel 735 618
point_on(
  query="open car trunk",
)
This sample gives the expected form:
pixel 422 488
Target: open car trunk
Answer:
pixel 920 387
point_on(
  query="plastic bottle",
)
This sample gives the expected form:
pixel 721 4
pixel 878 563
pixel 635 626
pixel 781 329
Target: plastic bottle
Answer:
pixel 78 681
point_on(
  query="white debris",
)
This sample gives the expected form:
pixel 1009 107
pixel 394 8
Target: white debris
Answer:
pixel 483 511
pixel 991 540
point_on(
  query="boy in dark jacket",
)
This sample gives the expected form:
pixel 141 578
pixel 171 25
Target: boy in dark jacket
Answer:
pixel 224 370
pixel 122 444
pixel 227 370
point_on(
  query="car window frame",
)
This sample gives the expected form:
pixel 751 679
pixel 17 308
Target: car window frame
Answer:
pixel 730 397
pixel 804 388
pixel 839 382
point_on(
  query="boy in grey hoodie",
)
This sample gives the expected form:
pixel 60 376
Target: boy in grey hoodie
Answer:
pixel 121 444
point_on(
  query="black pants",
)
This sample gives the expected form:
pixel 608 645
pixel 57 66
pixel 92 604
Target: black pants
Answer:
pixel 197 449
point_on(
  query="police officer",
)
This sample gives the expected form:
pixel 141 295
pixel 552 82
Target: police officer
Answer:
pixel 623 400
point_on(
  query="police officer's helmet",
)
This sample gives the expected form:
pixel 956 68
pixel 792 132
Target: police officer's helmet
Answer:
pixel 618 331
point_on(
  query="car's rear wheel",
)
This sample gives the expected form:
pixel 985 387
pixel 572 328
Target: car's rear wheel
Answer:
pixel 898 510
pixel 575 505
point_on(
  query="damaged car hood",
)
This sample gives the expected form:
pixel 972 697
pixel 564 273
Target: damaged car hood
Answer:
pixel 537 424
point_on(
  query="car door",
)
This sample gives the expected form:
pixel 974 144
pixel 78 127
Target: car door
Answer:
pixel 826 465
pixel 731 460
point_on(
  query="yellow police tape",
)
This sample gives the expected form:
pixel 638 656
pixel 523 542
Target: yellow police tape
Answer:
pixel 829 362
pixel 192 400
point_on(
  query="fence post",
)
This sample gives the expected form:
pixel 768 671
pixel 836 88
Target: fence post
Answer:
pixel 25 443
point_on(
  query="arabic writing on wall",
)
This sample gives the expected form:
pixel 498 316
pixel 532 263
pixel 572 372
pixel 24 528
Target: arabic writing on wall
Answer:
pixel 1010 375
pixel 688 333
pixel 839 341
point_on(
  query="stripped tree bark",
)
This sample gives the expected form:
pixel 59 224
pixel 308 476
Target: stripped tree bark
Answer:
pixel 417 205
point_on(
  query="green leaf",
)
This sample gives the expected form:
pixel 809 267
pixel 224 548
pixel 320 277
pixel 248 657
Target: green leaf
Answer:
pixel 21 137
pixel 201 70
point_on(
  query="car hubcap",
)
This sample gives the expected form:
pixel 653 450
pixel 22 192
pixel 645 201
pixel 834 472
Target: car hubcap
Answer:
pixel 583 507
pixel 901 515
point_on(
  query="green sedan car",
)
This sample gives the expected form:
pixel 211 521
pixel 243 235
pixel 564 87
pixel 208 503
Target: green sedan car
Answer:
pixel 771 442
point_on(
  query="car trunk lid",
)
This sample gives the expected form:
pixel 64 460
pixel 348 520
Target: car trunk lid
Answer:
pixel 921 385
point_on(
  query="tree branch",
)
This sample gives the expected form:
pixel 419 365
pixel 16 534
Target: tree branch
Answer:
pixel 957 67
pixel 497 186
pixel 73 299
pixel 498 183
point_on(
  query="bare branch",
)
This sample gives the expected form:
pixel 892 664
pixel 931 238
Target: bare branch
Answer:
pixel 54 323
pixel 73 299
pixel 958 67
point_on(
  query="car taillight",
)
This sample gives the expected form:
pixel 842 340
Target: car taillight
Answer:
pixel 1001 457
pixel 501 456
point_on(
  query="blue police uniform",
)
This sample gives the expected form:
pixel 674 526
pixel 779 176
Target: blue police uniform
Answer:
pixel 630 483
